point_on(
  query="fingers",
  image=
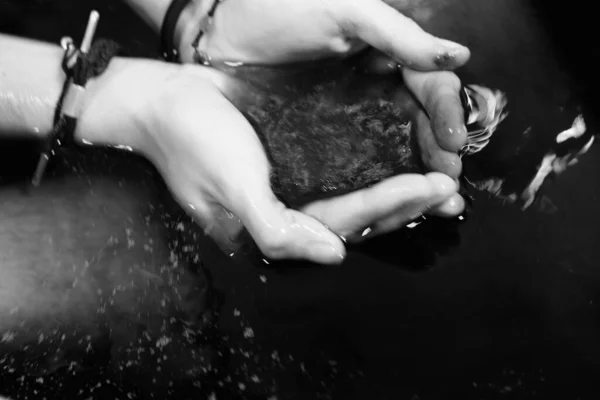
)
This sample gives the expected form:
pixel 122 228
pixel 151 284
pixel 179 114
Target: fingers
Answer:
pixel 400 37
pixel 284 233
pixel 387 205
pixel 441 133
pixel 439 93
pixel 452 207
pixel 435 157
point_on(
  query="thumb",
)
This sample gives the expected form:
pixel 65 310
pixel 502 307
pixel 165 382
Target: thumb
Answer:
pixel 386 29
pixel 281 232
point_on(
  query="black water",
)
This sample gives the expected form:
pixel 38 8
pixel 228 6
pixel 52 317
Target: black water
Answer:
pixel 509 310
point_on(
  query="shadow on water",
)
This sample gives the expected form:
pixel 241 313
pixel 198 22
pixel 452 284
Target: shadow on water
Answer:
pixel 507 306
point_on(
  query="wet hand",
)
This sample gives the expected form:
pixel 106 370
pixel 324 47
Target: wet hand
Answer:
pixel 441 126
pixel 276 32
pixel 282 31
pixel 216 167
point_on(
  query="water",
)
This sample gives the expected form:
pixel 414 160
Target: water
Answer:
pixel 506 307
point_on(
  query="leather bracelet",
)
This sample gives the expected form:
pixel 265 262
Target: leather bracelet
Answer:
pixel 167 31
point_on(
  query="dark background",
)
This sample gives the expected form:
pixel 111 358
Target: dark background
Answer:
pixel 511 311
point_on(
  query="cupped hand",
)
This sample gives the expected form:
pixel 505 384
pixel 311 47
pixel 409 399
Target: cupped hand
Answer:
pixel 275 31
pixel 216 167
pixel 441 126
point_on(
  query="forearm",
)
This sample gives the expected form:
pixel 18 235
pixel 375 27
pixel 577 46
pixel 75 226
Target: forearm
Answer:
pixel 30 84
pixel 31 81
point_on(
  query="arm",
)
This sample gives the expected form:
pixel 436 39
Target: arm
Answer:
pixel 206 151
pixel 31 81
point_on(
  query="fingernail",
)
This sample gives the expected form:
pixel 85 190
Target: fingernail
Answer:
pixel 446 56
pixel 325 252
pixel 445 59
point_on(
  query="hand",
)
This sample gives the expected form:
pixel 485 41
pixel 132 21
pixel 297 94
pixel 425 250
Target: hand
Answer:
pixel 281 31
pixel 269 31
pixel 217 169
pixel 275 34
pixel 394 202
pixel 441 127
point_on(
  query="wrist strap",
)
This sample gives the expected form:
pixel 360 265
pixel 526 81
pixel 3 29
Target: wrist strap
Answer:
pixel 79 64
pixel 167 31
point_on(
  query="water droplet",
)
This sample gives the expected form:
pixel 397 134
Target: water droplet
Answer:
pixel 123 147
pixel 248 333
pixel 233 64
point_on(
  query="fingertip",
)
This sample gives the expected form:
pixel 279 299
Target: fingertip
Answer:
pixel 451 55
pixel 316 242
pixel 452 207
pixel 290 234
pixel 453 165
pixel 455 138
pixel 448 124
pixel 434 157
pixel 325 253
pixel 443 185
pixel 442 101
pixel 383 27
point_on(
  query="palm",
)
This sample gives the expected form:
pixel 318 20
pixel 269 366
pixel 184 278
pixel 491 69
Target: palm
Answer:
pixel 222 173
pixel 234 170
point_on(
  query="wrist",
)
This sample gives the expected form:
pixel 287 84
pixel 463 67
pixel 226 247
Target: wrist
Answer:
pixel 116 104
